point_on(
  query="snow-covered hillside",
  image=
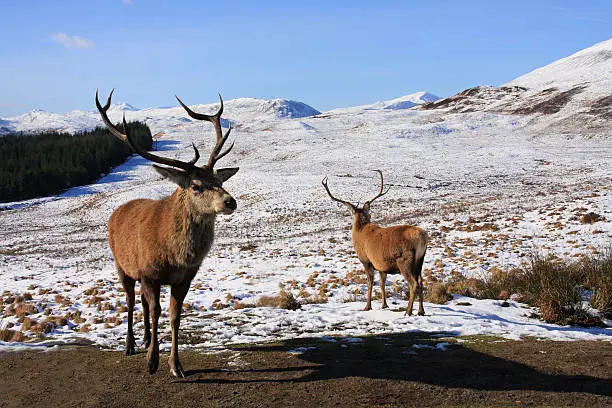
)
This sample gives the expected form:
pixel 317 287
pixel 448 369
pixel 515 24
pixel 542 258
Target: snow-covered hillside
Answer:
pixel 487 191
pixel 591 66
pixel 571 96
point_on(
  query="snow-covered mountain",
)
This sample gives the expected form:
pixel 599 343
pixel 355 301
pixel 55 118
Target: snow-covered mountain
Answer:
pixel 403 102
pixel 570 96
pixel 237 111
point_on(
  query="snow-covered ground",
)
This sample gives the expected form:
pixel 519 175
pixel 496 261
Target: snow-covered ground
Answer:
pixel 485 188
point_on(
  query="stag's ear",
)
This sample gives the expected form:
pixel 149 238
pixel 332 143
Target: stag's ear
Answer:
pixel 176 176
pixel 224 174
pixel 366 206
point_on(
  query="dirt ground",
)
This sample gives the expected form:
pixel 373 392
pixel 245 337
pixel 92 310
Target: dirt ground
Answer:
pixel 373 371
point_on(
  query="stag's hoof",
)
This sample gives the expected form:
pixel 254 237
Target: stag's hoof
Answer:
pixel 130 350
pixel 367 308
pixel 421 313
pixel 153 364
pixel 175 367
pixel 385 306
pixel 177 371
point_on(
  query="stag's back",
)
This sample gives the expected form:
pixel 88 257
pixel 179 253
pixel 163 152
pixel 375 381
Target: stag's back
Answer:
pixel 384 247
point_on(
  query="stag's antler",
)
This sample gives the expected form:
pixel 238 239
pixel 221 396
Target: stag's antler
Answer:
pixel 127 138
pixel 216 121
pixel 380 193
pixel 349 205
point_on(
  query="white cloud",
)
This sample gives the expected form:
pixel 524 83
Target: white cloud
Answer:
pixel 73 41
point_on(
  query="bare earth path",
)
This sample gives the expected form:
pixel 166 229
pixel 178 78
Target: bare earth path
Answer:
pixel 389 371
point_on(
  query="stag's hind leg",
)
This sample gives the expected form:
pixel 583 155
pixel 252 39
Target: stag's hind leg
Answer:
pixel 383 281
pixel 369 270
pixel 178 293
pixel 146 339
pixel 418 267
pixel 151 289
pixel 405 268
pixel 130 296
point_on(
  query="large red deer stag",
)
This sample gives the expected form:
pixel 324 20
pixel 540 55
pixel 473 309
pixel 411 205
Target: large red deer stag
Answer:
pixel 399 249
pixel 163 242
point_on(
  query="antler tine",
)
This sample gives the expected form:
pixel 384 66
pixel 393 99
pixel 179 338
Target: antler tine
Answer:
pixel 127 138
pixel 102 109
pixel 324 182
pixel 215 119
pixel 380 192
pixel 197 155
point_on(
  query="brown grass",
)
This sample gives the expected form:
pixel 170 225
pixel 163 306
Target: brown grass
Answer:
pixel 320 297
pixel 10 336
pixel 268 301
pixel 288 301
pixel 598 274
pixel 555 287
pixel 437 292
pixel 21 309
pixel 284 300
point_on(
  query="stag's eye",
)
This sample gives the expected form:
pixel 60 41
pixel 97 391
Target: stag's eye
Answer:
pixel 197 188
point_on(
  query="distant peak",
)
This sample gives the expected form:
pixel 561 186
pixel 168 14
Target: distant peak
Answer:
pixel 123 106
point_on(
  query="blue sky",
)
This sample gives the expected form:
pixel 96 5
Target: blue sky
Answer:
pixel 328 54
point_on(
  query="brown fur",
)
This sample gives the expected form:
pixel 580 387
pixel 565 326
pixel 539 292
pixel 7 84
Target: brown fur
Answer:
pixel 162 239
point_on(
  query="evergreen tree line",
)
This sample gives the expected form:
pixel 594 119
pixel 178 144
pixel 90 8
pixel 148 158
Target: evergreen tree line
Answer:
pixel 51 162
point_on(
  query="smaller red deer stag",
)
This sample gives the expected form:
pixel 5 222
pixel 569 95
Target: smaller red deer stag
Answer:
pixel 399 249
pixel 163 242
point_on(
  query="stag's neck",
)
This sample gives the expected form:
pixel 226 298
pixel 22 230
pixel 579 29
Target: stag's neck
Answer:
pixel 193 231
pixel 360 224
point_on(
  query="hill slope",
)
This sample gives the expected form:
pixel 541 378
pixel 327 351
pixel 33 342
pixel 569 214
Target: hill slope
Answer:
pixel 571 96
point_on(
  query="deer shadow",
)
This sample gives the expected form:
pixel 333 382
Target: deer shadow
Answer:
pixel 416 357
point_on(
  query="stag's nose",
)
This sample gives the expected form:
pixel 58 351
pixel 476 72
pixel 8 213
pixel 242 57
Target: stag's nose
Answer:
pixel 229 204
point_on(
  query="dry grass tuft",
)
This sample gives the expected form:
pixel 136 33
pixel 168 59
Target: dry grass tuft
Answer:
pixel 319 298
pixel 21 309
pixel 288 301
pixel 437 292
pixel 268 301
pixel 243 305
pixel 598 273
pixel 11 336
pixel 284 300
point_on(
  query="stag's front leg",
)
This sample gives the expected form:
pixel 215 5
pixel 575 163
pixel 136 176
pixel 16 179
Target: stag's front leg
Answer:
pixel 178 293
pixel 151 290
pixel 369 270
pixel 383 281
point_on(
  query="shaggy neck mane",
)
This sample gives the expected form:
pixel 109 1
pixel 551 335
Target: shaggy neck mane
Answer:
pixel 192 231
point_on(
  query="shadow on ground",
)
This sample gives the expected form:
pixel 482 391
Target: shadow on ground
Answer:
pixel 418 357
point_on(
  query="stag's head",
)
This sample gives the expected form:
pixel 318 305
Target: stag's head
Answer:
pixel 202 185
pixel 362 214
